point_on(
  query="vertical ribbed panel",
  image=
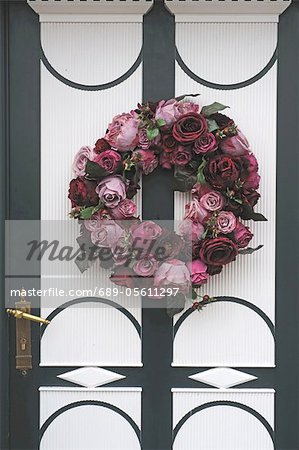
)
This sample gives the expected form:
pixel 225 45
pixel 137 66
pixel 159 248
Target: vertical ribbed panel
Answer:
pixel 90 335
pixel 85 49
pixel 89 426
pixel 126 399
pixel 250 277
pixel 72 118
pixel 223 427
pixel 226 53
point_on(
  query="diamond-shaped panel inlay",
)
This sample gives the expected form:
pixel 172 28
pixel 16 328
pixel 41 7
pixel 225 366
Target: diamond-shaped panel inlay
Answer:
pixel 222 377
pixel 91 377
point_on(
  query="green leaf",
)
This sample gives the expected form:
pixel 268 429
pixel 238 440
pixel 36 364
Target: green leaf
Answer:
pixel 181 97
pixel 161 122
pixel 248 213
pixel 204 234
pixel 200 175
pixel 152 133
pixel 212 109
pixel 93 170
pixel 212 125
pixel 249 250
pixel 87 213
pixel 238 200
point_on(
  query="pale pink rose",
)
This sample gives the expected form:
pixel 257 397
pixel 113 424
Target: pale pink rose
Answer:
pixel 146 230
pixel 198 271
pixel 212 201
pixel 146 160
pixel 108 159
pixel 186 107
pixel 173 273
pixel 111 191
pixel 146 267
pixel 123 132
pixel 124 210
pixel 93 223
pixel 242 235
pixel 195 211
pixel 226 222
pixel 80 160
pixel 107 234
pixel 167 111
pixel 235 145
pixel 191 230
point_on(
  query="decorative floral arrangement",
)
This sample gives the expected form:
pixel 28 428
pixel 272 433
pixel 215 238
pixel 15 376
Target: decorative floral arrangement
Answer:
pixel 210 157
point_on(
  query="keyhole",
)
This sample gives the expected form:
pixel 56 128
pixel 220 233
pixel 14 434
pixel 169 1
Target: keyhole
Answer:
pixel 23 344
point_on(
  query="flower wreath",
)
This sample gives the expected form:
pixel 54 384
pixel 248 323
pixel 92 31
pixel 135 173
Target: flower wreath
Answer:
pixel 211 159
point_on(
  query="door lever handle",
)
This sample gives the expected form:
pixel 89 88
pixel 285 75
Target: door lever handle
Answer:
pixel 18 314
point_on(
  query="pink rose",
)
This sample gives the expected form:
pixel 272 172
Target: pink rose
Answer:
pixel 108 159
pixel 195 211
pixel 226 222
pixel 124 210
pixel 173 273
pixel 93 223
pixel 80 160
pixel 198 271
pixel 123 132
pixel 146 160
pixel 181 156
pixel 143 141
pixel 145 267
pixel 242 235
pixel 186 107
pixel 146 230
pixel 107 234
pixel 212 201
pixel 111 190
pixel 235 145
pixel 205 144
pixel 191 230
pixel 167 111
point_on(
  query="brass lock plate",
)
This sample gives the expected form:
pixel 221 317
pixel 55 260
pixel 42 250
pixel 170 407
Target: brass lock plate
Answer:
pixel 23 338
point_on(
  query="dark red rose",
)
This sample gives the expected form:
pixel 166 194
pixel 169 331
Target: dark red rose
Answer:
pixel 222 171
pixel 218 251
pixel 168 142
pixel 205 144
pixel 82 192
pixel 123 276
pixel 101 145
pixel 252 198
pixel 168 245
pixel 189 128
pixel 109 160
pixel 181 156
pixel 221 120
pixel 214 270
pixel 132 189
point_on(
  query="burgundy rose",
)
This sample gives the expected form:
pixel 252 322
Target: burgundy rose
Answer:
pixel 101 145
pixel 252 181
pixel 222 120
pixel 214 270
pixel 123 276
pixel 168 142
pixel 165 160
pixel 168 245
pixel 181 156
pixel 143 140
pixel 108 159
pixel 205 144
pixel 242 235
pixel 132 189
pixel 189 128
pixel 235 145
pixel 124 210
pixel 82 192
pixel 218 251
pixel 252 198
pixel 222 171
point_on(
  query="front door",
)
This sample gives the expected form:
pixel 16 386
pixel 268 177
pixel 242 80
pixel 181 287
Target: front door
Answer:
pixel 108 373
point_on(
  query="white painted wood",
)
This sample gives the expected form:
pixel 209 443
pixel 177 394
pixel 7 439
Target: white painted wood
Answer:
pixel 54 398
pixel 222 377
pixel 206 47
pixel 90 335
pixel 67 8
pixel 91 53
pixel 90 377
pixel 253 108
pixel 228 7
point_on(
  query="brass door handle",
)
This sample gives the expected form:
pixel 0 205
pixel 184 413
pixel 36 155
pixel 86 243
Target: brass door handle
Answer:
pixel 19 314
